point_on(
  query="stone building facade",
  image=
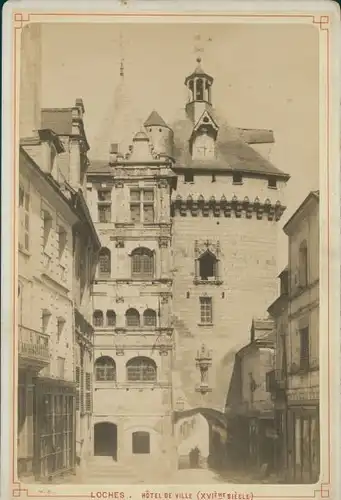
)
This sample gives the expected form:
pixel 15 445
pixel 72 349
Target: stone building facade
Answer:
pixel 57 252
pixel 70 172
pixel 196 207
pixel 277 376
pixel 303 342
pixel 249 406
pixel 294 381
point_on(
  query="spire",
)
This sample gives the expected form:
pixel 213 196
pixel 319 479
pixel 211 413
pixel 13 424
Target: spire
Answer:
pixel 122 57
pixel 120 118
pixel 199 72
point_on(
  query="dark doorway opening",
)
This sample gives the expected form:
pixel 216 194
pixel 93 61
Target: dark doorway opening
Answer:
pixel 105 440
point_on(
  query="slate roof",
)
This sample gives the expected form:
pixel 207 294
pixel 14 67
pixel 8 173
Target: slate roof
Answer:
pixel 198 72
pixel 154 119
pixel 232 152
pixel 140 136
pixel 99 167
pixel 298 213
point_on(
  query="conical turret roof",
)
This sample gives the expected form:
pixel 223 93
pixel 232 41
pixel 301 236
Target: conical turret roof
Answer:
pixel 154 119
pixel 199 71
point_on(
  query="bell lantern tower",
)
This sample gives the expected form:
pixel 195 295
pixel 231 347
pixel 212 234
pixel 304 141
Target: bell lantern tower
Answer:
pixel 199 85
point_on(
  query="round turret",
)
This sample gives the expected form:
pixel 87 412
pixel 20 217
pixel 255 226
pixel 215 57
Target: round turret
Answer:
pixel 161 136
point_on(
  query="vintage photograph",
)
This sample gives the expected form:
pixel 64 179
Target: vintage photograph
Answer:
pixel 168 293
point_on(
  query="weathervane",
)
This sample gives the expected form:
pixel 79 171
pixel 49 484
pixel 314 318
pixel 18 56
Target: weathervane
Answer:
pixel 199 43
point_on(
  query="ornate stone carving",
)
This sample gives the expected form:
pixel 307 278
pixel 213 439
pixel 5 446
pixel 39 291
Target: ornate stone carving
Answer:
pixel 119 243
pixel 163 242
pixel 202 246
pixel 119 300
pixel 119 184
pixel 164 297
pixel 119 350
pixel 162 183
pixel 163 350
pixel 203 362
pixel 239 207
pixel 120 331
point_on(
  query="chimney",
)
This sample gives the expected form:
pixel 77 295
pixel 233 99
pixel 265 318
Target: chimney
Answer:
pixel 113 152
pixel 79 104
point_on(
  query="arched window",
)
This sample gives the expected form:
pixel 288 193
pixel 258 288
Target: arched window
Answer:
pixel 303 265
pixel 111 318
pixel 132 317
pixel 200 90
pixel 104 262
pixel 98 318
pixel 207 266
pixel 141 369
pixel 105 369
pixel 149 317
pixel 142 265
pixel 141 442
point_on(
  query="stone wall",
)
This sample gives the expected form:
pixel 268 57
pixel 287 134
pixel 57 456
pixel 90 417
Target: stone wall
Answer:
pixel 248 273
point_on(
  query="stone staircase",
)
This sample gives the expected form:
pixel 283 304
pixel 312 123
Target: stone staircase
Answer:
pixel 105 470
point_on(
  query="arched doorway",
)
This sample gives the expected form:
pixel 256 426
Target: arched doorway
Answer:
pixel 105 440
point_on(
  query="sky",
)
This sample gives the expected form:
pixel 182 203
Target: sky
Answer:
pixel 265 76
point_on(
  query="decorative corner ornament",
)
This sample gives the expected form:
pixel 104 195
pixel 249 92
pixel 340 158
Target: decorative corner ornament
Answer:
pixel 119 243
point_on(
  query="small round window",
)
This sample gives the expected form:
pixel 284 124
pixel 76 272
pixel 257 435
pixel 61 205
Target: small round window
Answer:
pixel 206 120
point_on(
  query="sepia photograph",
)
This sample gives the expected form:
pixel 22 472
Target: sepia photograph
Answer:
pixel 171 223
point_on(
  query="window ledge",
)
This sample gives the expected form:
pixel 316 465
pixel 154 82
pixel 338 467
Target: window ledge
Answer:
pixel 207 282
pixel 205 324
pixel 237 183
pixel 273 187
pixel 24 252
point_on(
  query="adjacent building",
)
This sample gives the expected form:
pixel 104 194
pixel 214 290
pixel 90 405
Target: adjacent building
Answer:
pixel 70 173
pixel 277 376
pixel 58 249
pixel 249 407
pixel 57 252
pixel 180 216
pixel 294 381
pixel 303 342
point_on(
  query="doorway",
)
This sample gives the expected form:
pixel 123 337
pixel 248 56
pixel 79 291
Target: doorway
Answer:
pixel 105 440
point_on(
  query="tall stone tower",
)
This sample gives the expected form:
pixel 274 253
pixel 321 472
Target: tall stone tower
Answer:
pixel 225 213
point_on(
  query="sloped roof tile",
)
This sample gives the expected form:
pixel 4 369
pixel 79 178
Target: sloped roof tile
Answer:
pixel 154 119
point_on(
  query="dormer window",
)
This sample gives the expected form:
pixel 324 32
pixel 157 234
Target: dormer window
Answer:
pixel 203 146
pixel 237 178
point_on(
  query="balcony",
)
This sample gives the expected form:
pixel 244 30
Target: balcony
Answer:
pixel 275 381
pixel 33 348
